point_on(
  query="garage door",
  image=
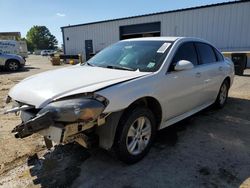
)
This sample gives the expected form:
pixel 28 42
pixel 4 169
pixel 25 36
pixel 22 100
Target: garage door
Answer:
pixel 140 30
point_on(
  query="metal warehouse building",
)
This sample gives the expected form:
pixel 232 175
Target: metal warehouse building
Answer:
pixel 226 25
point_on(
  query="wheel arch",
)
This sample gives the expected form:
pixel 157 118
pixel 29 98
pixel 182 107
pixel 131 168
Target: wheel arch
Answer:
pixel 12 59
pixel 228 80
pixel 150 102
pixel 107 133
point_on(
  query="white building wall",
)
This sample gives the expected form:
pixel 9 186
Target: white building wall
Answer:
pixel 226 26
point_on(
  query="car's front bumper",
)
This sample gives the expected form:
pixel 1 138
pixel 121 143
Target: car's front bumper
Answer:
pixel 33 125
pixel 23 62
pixel 58 132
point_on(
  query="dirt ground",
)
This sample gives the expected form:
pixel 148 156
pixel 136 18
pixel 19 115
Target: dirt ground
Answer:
pixel 209 149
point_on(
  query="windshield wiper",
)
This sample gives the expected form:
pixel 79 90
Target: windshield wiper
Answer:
pixel 90 64
pixel 120 67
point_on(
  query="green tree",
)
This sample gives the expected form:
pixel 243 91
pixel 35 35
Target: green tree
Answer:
pixel 39 38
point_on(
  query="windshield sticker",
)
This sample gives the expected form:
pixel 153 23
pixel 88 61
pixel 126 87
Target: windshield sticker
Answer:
pixel 163 48
pixel 128 47
pixel 151 65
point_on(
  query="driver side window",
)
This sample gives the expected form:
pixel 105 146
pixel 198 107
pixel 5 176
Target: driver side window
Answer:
pixel 185 52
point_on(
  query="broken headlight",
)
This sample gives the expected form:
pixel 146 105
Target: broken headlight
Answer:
pixel 73 110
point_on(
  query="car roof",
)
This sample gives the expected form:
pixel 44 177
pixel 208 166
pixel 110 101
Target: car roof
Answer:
pixel 169 39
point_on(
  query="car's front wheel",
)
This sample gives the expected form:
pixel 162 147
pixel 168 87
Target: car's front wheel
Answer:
pixel 135 134
pixel 12 65
pixel 223 95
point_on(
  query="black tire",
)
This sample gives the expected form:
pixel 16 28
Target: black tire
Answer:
pixel 128 120
pixel 12 65
pixel 221 101
pixel 241 72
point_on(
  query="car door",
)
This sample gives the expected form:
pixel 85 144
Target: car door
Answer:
pixel 212 64
pixel 183 89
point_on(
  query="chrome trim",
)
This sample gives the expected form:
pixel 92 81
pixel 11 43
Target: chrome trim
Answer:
pixel 19 108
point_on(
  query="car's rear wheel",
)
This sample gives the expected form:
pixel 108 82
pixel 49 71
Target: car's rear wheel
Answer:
pixel 135 134
pixel 223 94
pixel 12 65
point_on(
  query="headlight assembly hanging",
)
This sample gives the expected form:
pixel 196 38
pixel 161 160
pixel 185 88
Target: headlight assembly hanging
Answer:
pixel 73 110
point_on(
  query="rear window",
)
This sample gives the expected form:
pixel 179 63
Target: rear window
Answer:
pixel 218 55
pixel 206 53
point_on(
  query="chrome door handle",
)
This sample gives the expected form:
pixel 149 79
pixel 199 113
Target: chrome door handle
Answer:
pixel 220 69
pixel 198 74
pixel 207 81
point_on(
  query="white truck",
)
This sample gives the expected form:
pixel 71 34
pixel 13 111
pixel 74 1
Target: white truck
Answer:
pixel 14 47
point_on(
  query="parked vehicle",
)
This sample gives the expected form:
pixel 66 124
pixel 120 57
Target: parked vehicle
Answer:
pixel 14 47
pixel 11 62
pixel 240 59
pixel 240 62
pixel 124 94
pixel 37 52
pixel 47 52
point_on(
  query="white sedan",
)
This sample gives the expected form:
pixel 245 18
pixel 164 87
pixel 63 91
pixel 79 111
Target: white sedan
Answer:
pixel 124 94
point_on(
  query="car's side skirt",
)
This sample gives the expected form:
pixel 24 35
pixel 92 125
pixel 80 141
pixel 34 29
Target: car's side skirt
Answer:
pixel 183 116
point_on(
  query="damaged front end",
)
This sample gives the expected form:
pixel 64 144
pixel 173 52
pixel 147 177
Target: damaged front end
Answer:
pixel 64 120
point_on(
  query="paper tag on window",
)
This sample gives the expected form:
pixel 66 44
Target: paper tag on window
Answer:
pixel 151 65
pixel 163 48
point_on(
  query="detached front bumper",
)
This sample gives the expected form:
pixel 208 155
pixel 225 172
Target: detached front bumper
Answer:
pixel 58 132
pixel 60 121
pixel 34 125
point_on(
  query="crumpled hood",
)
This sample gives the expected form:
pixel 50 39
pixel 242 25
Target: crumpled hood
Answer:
pixel 42 88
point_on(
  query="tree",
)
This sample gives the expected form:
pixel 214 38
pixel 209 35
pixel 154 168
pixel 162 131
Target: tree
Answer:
pixel 39 38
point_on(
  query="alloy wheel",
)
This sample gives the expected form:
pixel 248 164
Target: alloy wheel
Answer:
pixel 138 136
pixel 13 66
pixel 223 94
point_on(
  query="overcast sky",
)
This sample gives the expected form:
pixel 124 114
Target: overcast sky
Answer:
pixel 21 15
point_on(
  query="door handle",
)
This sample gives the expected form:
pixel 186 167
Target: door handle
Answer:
pixel 220 69
pixel 198 75
pixel 207 81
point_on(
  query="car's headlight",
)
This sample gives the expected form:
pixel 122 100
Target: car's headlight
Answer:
pixel 72 110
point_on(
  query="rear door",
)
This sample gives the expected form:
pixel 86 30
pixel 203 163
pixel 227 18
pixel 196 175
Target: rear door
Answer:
pixel 183 88
pixel 212 64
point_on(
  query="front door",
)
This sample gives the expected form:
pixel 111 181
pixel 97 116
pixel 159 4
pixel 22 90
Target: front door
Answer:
pixel 183 89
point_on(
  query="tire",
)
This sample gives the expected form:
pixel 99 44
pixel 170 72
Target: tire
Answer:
pixel 222 95
pixel 132 143
pixel 12 65
pixel 241 72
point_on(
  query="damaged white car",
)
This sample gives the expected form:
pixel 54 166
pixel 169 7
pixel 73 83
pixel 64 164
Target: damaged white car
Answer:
pixel 123 95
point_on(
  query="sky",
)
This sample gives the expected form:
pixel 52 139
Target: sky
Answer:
pixel 21 15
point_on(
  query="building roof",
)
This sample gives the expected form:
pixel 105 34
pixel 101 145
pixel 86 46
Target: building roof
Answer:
pixel 10 33
pixel 171 11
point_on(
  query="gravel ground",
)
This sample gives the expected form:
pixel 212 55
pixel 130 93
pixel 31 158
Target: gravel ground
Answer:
pixel 209 149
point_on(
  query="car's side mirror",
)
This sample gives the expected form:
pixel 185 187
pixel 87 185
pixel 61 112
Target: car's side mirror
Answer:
pixel 183 65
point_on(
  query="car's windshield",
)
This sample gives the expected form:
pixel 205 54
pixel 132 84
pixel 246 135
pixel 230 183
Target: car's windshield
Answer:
pixel 145 56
